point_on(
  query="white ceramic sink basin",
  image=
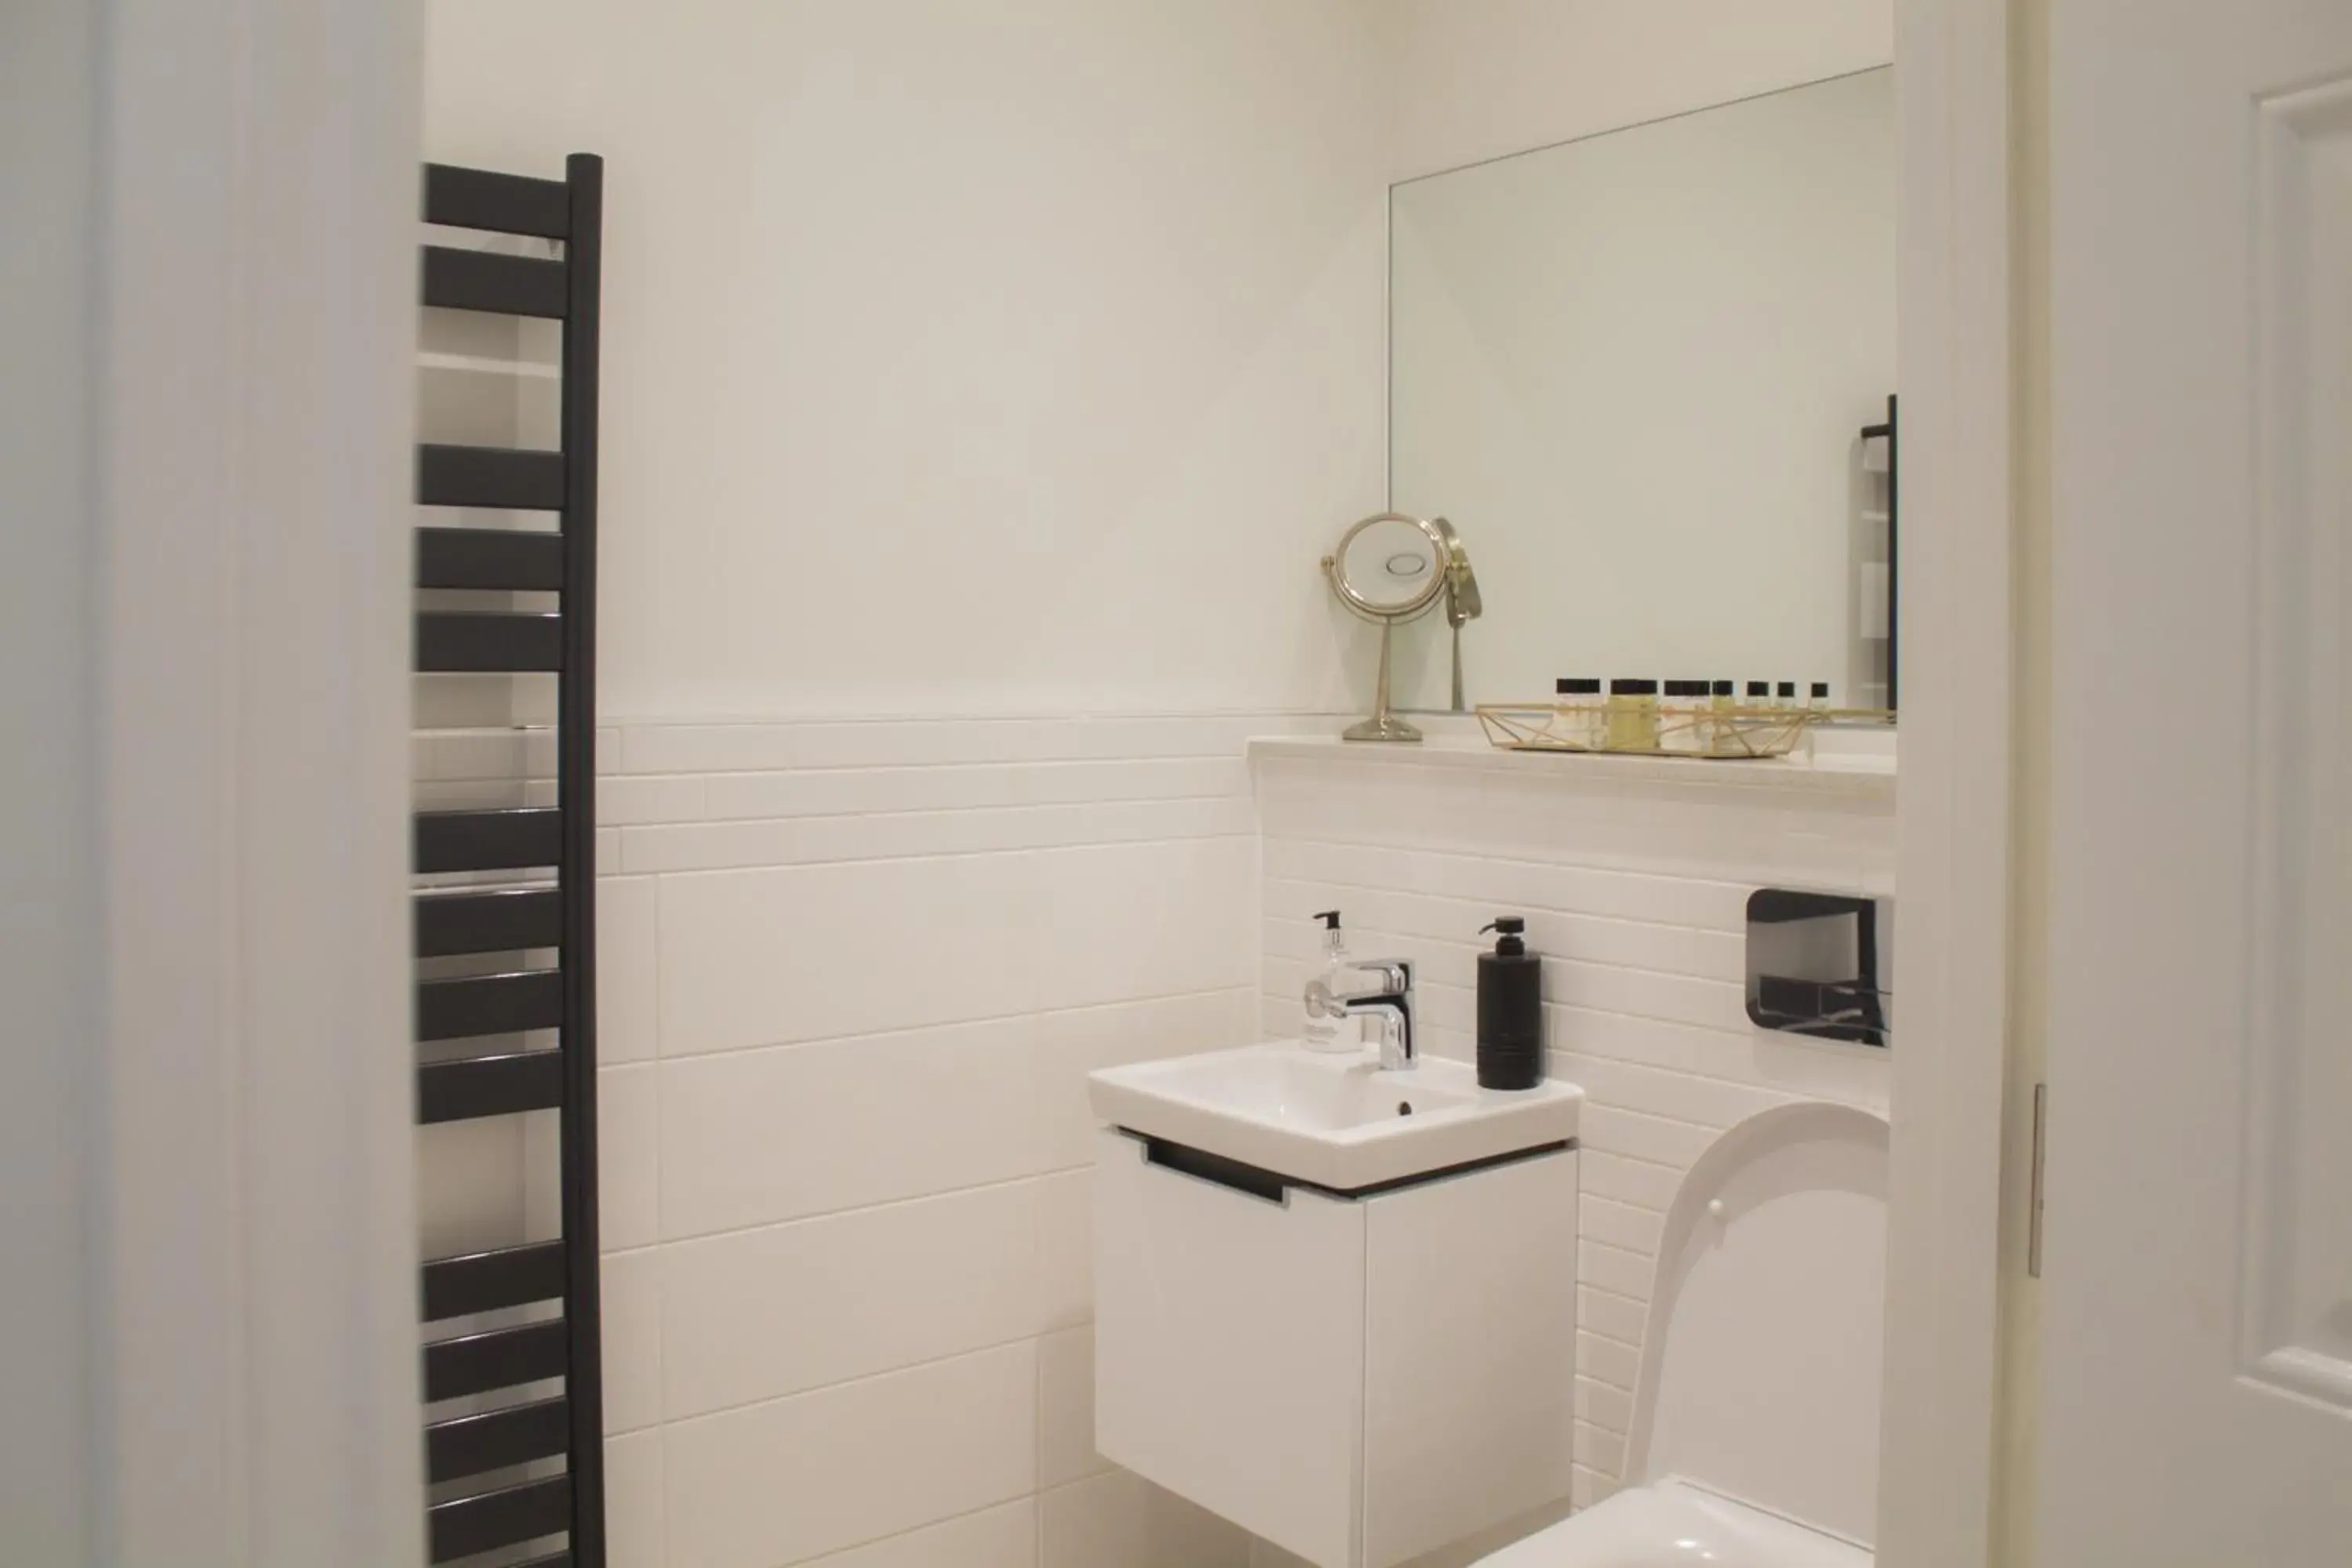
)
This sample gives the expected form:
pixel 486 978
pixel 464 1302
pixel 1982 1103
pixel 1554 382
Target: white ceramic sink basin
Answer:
pixel 1332 1120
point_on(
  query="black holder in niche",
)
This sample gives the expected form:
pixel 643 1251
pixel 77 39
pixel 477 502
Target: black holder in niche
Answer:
pixel 1820 964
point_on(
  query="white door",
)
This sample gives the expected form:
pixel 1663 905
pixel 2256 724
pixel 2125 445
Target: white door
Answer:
pixel 2196 1345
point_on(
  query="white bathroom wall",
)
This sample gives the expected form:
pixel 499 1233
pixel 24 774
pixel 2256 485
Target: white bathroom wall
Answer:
pixel 981 385
pixel 1478 79
pixel 961 359
pixel 961 364
pixel 851 978
pixel 853 975
pixel 1635 894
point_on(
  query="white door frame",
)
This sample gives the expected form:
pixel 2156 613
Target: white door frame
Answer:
pixel 237 1130
pixel 1952 86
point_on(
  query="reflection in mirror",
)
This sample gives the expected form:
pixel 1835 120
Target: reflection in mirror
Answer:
pixel 1462 602
pixel 1635 371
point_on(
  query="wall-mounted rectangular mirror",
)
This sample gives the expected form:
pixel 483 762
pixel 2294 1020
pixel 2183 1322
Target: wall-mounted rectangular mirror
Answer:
pixel 1635 371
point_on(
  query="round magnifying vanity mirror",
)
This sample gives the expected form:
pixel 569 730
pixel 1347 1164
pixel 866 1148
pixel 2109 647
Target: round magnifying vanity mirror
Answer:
pixel 1388 568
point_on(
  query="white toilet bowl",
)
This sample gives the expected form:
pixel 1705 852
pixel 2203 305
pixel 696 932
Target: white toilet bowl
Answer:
pixel 1754 1440
pixel 1671 1524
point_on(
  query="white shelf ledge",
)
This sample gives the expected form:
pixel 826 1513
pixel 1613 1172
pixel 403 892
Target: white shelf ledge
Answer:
pixel 486 365
pixel 1853 766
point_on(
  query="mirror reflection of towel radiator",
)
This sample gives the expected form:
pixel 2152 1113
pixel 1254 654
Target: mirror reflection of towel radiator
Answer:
pixel 1890 432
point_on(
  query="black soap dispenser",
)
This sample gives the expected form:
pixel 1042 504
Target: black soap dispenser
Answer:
pixel 1510 1010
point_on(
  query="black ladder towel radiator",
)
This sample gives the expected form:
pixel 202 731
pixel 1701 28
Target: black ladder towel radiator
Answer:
pixel 528 1434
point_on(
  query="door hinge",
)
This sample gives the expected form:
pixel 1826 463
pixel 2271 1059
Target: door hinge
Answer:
pixel 2033 1217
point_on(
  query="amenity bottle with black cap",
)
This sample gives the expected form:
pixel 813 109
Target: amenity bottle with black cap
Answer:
pixel 1329 1031
pixel 1580 723
pixel 1632 716
pixel 1510 1010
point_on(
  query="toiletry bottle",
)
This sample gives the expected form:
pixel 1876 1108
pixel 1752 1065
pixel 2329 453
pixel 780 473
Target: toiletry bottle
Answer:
pixel 1582 727
pixel 1679 720
pixel 1328 1034
pixel 1720 730
pixel 1510 1010
pixel 1702 720
pixel 1759 693
pixel 1821 704
pixel 1645 711
pixel 1695 730
pixel 1632 719
pixel 1788 694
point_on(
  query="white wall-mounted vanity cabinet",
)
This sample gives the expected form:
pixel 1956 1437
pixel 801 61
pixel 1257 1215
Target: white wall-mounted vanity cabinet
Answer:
pixel 1359 1380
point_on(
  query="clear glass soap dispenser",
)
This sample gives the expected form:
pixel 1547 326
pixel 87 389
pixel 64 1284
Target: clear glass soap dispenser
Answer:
pixel 1329 1032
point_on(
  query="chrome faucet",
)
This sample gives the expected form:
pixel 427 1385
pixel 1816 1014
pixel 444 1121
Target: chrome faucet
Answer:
pixel 1385 993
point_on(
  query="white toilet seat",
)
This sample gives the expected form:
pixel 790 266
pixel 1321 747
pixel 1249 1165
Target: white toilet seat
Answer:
pixel 1673 1524
pixel 1676 1524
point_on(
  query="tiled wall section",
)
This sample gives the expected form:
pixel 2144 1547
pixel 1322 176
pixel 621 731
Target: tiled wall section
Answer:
pixel 1635 894
pixel 852 977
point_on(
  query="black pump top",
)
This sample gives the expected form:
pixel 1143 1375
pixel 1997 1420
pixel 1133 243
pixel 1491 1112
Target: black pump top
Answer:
pixel 1330 919
pixel 1507 927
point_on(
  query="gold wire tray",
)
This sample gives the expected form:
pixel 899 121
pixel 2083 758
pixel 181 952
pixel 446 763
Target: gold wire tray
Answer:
pixel 1659 729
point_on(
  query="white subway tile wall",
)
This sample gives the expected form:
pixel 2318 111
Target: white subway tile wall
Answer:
pixel 1636 895
pixel 851 979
